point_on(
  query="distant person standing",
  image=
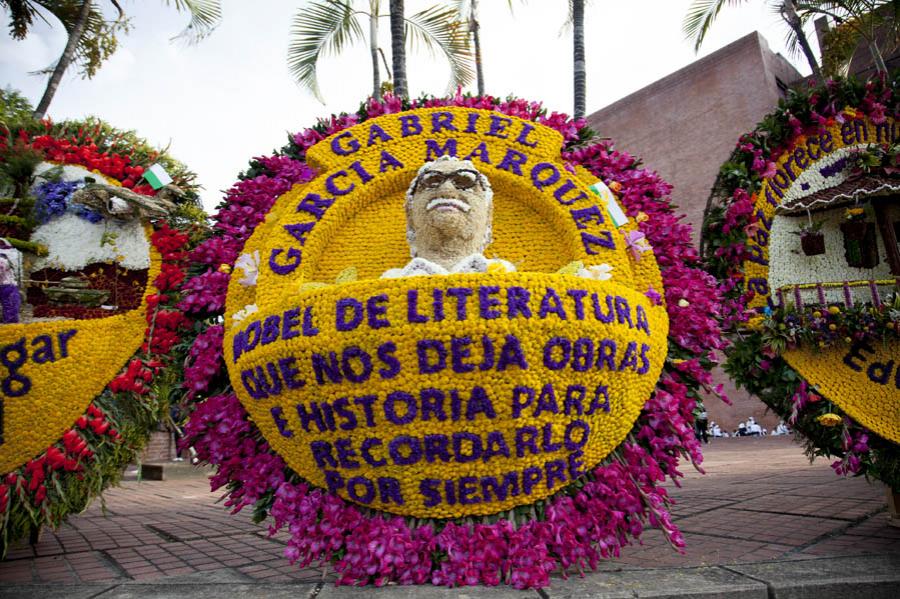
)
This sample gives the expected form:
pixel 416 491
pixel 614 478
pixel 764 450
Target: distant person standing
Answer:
pixel 177 420
pixel 702 423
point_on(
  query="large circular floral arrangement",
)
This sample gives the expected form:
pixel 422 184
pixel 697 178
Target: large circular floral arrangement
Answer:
pixel 76 403
pixel 802 228
pixel 248 268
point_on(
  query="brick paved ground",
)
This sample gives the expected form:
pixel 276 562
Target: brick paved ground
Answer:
pixel 760 500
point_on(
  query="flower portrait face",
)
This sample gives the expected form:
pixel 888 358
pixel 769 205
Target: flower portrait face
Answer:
pixel 449 200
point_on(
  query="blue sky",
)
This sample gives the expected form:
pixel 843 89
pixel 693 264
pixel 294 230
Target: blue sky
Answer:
pixel 219 103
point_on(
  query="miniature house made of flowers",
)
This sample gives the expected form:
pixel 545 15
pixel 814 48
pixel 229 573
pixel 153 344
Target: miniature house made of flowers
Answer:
pixel 855 218
pixel 79 354
pixel 803 227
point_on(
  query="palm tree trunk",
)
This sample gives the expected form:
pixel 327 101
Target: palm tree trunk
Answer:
pixel 789 13
pixel 578 54
pixel 877 57
pixel 64 60
pixel 872 41
pixel 373 48
pixel 475 28
pixel 398 48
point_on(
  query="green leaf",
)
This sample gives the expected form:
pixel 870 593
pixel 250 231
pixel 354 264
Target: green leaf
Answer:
pixel 205 17
pixel 700 17
pixel 438 29
pixel 321 28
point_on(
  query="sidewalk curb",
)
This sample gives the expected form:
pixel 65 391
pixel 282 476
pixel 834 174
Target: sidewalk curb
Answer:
pixel 872 576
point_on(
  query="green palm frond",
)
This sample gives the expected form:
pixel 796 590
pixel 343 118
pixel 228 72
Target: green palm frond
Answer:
pixel 322 27
pixel 21 16
pixel 205 17
pixel 791 42
pixel 438 29
pixel 700 17
pixel 98 40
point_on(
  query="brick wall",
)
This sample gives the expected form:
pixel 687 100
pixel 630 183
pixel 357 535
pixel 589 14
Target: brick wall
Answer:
pixel 160 448
pixel 685 126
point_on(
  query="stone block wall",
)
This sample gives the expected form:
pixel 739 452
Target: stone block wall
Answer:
pixel 685 126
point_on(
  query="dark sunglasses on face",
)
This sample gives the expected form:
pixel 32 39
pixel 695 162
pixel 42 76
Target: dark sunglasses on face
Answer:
pixel 462 179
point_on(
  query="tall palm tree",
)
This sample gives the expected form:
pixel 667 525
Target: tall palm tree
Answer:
pixel 702 13
pixel 468 14
pixel 865 18
pixel 575 20
pixel 579 69
pixel 398 47
pixel 325 27
pixel 91 37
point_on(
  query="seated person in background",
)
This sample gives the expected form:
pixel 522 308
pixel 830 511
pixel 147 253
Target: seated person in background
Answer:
pixel 753 428
pixel 449 208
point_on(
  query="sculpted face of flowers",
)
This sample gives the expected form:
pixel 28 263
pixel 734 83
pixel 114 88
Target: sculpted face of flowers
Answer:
pixel 448 211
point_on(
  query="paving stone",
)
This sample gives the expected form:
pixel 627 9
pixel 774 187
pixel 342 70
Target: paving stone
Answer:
pixel 706 583
pixel 208 591
pixel 872 577
pixel 54 591
pixel 760 502
pixel 417 592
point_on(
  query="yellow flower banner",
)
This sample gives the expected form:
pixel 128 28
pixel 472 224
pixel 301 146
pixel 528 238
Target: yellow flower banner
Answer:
pixel 862 378
pixel 446 395
pixel 50 372
pixel 454 395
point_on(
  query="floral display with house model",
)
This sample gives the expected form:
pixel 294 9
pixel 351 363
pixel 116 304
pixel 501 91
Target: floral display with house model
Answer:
pixel 93 249
pixel 803 227
pixel 456 341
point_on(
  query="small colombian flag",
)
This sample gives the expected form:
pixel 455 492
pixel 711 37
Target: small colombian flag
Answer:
pixel 612 206
pixel 157 176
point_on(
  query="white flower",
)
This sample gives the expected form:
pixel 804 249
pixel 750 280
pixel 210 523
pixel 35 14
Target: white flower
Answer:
pixel 249 263
pixel 243 313
pixel 821 174
pixel 73 243
pixel 598 272
pixel 683 303
pixel 789 266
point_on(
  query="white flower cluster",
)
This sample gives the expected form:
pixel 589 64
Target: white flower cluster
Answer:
pixel 249 264
pixel 788 265
pixel 70 172
pixel 822 174
pixel 73 243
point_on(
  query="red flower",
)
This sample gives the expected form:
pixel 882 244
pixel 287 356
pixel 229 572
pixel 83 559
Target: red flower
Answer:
pixel 170 277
